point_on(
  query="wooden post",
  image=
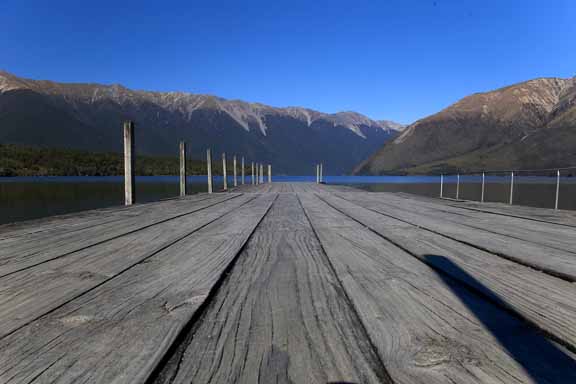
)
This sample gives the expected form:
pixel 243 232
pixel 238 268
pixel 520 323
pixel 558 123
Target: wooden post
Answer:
pixel 321 173
pixel 182 169
pixel 253 180
pixel 441 185
pixel 262 173
pixel 235 174
pixel 242 170
pixel 317 173
pixel 269 173
pixel 209 169
pixel 458 187
pixel 557 189
pixel 483 187
pixel 224 175
pixel 129 183
pixel 511 187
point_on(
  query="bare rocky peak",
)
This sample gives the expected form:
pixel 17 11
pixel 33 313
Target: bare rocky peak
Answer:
pixel 509 102
pixel 393 125
pixel 529 103
pixel 244 113
pixel 9 82
pixel 529 124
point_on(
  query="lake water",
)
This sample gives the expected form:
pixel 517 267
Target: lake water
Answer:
pixel 23 198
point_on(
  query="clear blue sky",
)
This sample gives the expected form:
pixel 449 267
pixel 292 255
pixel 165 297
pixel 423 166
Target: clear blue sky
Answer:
pixel 388 59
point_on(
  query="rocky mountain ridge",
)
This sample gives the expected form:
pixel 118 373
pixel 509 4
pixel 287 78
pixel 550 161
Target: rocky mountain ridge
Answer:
pixel 253 129
pixel 526 125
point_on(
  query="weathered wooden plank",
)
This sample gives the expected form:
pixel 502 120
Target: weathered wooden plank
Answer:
pixel 63 279
pixel 557 262
pixel 428 328
pixel 278 317
pixel 546 215
pixel 119 331
pixel 288 310
pixel 549 234
pixel 56 225
pixel 322 188
pixel 16 255
pixel 564 217
pixel 543 300
pixel 76 220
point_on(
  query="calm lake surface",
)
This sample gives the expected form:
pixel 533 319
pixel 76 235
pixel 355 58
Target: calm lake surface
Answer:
pixel 24 198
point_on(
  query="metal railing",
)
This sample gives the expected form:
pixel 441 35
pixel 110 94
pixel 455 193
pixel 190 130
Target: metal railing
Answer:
pixel 512 173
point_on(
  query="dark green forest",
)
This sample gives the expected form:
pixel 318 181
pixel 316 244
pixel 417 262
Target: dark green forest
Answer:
pixel 16 160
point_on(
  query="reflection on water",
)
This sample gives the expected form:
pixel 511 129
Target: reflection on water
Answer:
pixel 29 198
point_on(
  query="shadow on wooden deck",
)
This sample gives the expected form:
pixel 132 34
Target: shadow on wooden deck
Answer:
pixel 543 360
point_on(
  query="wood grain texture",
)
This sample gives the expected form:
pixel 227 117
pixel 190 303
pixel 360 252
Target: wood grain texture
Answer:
pixel 46 228
pixel 546 215
pixel 27 251
pixel 544 300
pixel 549 234
pixel 79 220
pixel 279 317
pixel 30 293
pixel 428 329
pixel 119 331
pixel 290 283
pixel 527 249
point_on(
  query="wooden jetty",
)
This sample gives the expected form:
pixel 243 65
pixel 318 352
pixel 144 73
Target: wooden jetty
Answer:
pixel 291 283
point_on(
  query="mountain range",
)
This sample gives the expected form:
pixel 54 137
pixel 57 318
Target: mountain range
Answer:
pixel 526 125
pixel 89 117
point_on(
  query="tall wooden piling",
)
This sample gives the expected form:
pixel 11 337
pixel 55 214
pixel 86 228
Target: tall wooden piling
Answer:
pixel 269 173
pixel 261 173
pixel 253 179
pixel 483 187
pixel 441 185
pixel 209 169
pixel 242 170
pixel 182 168
pixel 557 189
pixel 321 173
pixel 224 174
pixel 235 173
pixel 129 183
pixel 511 188
pixel 458 187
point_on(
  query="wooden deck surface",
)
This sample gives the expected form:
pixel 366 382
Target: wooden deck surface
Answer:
pixel 291 283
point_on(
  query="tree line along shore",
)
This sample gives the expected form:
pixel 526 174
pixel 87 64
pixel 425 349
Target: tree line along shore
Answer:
pixel 17 160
